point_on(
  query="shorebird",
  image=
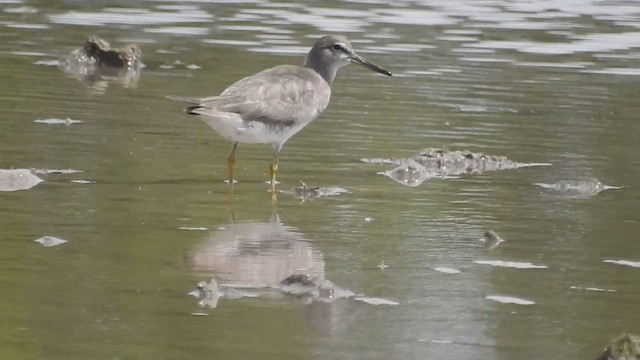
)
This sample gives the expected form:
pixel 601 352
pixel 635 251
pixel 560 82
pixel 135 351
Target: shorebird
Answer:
pixel 273 105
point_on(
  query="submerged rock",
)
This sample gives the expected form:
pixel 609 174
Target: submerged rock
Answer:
pixel 585 187
pixel 306 192
pixel 626 347
pixel 442 163
pixel 100 52
pixel 18 179
pixel 96 63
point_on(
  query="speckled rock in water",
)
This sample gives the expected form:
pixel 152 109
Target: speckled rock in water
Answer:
pixel 466 162
pixel 100 50
pixel 442 163
pixel 626 347
pixel 96 62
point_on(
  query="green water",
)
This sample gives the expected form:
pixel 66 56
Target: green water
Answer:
pixel 155 218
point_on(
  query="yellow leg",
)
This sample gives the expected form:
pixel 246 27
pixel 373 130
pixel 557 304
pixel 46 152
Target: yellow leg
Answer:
pixel 231 161
pixel 273 170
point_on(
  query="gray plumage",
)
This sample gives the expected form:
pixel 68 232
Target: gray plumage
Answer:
pixel 273 105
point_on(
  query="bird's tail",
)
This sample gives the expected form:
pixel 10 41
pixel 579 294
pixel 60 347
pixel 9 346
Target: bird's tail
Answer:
pixel 193 101
pixel 183 99
pixel 192 110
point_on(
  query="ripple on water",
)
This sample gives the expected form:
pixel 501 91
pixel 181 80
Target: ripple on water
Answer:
pixel 447 270
pixel 594 43
pixel 179 30
pixel 591 289
pixel 510 264
pixel 110 16
pixel 510 300
pixel 411 17
pixel 281 50
pixel 21 10
pixel 614 71
pixel 28 53
pixel 635 264
pixel 396 48
pixel 231 42
pixel 27 26
pixel 318 18
pixel 564 65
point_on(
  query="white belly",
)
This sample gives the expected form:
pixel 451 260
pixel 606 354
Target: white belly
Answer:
pixel 233 128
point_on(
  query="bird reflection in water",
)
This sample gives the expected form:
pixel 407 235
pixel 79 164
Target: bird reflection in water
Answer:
pixel 270 260
pixel 256 254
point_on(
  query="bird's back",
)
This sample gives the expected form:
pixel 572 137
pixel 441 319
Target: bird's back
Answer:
pixel 277 95
pixel 284 98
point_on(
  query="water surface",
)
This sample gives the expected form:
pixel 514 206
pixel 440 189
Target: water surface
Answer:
pixel 147 215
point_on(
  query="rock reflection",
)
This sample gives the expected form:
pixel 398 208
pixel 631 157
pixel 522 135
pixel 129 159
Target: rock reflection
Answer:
pixel 306 192
pixel 18 179
pixel 587 187
pixel 50 241
pixel 208 293
pixel 442 163
pixel 491 240
pixel 96 64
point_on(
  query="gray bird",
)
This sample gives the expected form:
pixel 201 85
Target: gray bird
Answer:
pixel 273 105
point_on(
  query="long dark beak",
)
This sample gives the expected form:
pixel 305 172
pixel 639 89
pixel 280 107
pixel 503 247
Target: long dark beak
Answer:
pixel 355 58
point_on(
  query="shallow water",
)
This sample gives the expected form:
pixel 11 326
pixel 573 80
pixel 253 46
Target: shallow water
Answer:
pixel 147 216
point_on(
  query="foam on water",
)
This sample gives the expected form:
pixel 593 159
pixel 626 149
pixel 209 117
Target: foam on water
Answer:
pixel 447 270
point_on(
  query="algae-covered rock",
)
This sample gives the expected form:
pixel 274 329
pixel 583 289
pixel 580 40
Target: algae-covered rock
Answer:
pixel 101 51
pixel 442 163
pixel 96 62
pixel 626 347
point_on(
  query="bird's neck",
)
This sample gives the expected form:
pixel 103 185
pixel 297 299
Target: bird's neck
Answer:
pixel 328 73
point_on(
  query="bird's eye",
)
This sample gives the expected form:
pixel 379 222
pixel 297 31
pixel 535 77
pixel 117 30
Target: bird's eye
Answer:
pixel 337 47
